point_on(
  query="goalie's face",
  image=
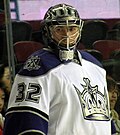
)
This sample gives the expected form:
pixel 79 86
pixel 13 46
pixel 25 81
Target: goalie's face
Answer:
pixel 65 36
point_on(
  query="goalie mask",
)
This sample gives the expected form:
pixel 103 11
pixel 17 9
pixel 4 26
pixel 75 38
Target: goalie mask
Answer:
pixel 62 30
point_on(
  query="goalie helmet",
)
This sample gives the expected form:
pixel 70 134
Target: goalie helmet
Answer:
pixel 62 30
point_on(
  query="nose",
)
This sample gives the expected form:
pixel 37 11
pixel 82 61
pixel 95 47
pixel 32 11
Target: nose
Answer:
pixel 65 31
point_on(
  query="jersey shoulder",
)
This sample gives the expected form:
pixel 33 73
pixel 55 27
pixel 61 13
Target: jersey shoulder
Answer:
pixel 87 56
pixel 39 63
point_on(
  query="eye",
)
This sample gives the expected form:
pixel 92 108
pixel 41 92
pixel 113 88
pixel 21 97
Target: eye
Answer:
pixel 58 29
pixel 73 29
pixel 3 98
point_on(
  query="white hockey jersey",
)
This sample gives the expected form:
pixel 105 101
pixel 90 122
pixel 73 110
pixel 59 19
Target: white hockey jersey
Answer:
pixel 54 98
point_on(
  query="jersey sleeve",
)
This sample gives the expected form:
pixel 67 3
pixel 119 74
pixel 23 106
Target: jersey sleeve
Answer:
pixel 28 107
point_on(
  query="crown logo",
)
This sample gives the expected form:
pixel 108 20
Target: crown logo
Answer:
pixel 32 63
pixel 94 104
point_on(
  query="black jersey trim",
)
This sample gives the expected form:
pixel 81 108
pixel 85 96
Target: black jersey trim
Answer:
pixel 26 108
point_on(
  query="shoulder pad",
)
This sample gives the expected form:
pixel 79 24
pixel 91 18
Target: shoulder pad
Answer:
pixel 89 57
pixel 39 63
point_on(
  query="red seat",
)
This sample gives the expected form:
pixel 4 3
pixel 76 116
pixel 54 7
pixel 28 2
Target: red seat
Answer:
pixel 80 46
pixel 23 49
pixel 2 18
pixel 106 47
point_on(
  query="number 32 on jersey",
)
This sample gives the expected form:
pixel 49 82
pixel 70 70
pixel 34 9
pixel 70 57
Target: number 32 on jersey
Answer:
pixel 28 93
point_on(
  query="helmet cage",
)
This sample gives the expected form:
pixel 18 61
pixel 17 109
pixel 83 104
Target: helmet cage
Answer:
pixel 68 40
pixel 62 15
pixel 66 21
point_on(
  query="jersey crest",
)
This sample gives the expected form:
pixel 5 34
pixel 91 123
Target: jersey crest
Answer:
pixel 32 63
pixel 94 104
